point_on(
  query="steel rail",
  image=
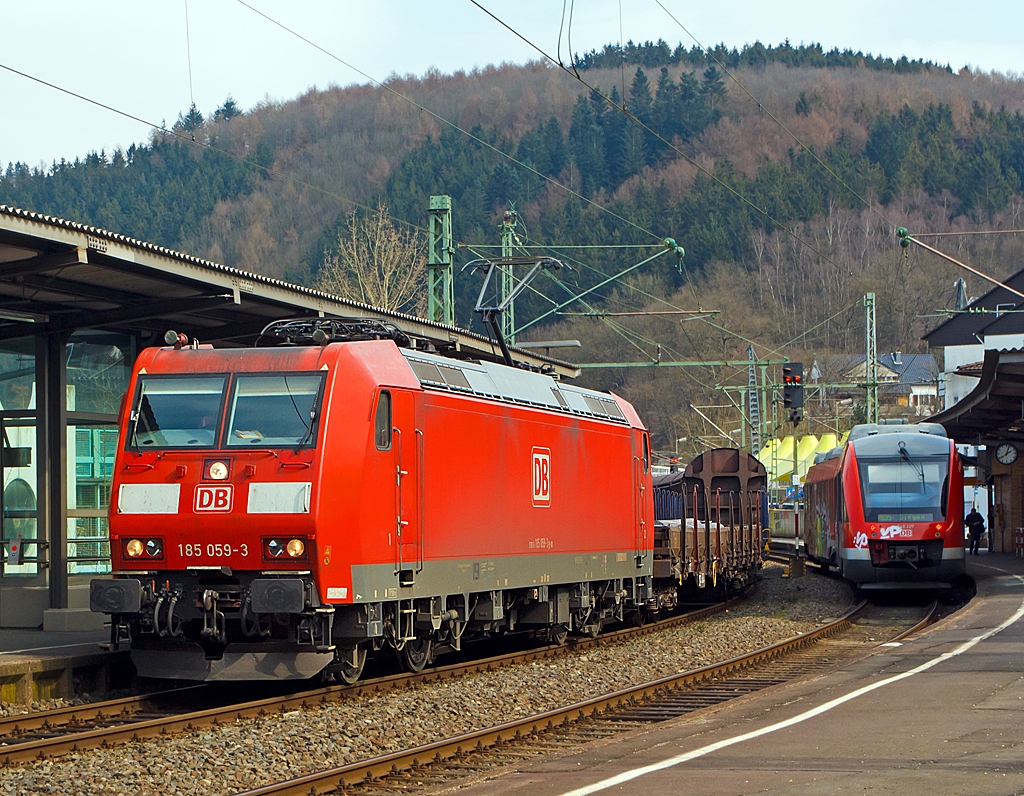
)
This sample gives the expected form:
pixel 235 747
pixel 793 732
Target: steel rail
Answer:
pixel 337 778
pixel 125 728
pixel 928 619
pixel 107 710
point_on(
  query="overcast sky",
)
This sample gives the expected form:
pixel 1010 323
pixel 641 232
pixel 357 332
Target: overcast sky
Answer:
pixel 133 56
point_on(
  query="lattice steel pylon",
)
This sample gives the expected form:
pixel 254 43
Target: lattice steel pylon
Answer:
pixel 871 364
pixel 440 262
pixel 508 241
pixel 753 402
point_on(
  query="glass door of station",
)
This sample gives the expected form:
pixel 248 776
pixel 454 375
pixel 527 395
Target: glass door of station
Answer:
pixel 19 461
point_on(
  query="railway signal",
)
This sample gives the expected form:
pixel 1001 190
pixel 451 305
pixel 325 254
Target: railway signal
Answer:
pixel 793 390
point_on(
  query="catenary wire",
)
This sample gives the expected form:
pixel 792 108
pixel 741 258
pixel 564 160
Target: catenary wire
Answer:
pixel 761 107
pixel 450 123
pixel 871 207
pixel 621 108
pixel 468 134
pixel 976 232
pixel 204 144
pixel 188 51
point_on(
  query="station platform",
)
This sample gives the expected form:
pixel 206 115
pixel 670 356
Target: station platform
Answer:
pixel 941 713
pixel 37 665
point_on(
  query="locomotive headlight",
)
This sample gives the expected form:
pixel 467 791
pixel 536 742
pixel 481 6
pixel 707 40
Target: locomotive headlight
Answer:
pixel 134 548
pixel 218 471
pixel 275 548
pixel 296 547
pixel 154 547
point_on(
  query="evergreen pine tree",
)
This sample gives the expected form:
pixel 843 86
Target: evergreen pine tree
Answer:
pixel 714 86
pixel 614 124
pixel 586 144
pixel 190 122
pixel 229 110
pixel 640 101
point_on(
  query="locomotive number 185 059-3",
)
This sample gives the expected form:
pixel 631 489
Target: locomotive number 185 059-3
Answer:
pixel 211 550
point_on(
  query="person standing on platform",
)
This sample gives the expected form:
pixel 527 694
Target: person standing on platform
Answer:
pixel 975 527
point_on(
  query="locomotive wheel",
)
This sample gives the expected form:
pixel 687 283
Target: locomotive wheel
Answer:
pixel 594 629
pixel 416 654
pixel 350 673
pixel 558 634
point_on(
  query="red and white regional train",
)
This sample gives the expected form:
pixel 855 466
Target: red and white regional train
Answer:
pixel 282 511
pixel 887 508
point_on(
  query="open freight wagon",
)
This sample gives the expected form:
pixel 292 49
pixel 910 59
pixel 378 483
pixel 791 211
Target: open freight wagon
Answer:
pixel 710 519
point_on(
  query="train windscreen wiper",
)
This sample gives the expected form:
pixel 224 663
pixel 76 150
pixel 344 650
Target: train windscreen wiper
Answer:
pixel 918 468
pixel 313 411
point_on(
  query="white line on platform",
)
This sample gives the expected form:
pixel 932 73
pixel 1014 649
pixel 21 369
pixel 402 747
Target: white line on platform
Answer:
pixel 55 647
pixel 627 776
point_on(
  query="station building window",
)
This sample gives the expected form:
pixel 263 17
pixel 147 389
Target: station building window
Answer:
pixel 97 367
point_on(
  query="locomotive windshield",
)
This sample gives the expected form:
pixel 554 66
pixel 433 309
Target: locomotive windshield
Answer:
pixel 274 410
pixel 177 412
pixel 904 488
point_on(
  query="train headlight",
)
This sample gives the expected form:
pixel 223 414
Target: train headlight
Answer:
pixel 217 471
pixel 134 548
pixel 154 548
pixel 277 548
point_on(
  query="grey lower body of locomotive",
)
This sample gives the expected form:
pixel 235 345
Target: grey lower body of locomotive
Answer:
pixel 485 595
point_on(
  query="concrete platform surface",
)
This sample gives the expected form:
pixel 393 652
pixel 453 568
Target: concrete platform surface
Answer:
pixel 41 643
pixel 40 665
pixel 943 713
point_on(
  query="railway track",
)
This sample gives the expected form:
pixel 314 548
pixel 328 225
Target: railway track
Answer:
pixel 558 731
pixel 52 733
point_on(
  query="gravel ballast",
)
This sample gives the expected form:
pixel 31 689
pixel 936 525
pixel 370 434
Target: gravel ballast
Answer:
pixel 254 752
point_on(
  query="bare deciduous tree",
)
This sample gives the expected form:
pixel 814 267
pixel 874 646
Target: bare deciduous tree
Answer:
pixel 377 263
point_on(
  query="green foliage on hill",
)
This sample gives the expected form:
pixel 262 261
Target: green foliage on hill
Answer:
pixel 158 192
pixel 654 54
pixel 783 231
pixel 714 219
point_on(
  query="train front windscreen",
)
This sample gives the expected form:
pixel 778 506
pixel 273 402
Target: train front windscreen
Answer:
pixel 904 488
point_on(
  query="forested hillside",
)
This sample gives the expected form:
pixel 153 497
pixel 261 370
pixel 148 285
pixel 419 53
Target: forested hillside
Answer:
pixel 786 206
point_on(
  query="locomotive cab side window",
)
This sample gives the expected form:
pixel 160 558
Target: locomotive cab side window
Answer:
pixel 382 421
pixel 274 410
pixel 647 455
pixel 176 412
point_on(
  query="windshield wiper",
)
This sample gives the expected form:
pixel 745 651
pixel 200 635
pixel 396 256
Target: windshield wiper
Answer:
pixel 919 469
pixel 312 415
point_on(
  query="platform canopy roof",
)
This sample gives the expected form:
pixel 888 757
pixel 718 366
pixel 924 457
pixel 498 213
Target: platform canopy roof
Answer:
pixel 59 276
pixel 993 412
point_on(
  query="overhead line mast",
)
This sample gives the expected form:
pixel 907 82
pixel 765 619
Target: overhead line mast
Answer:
pixel 440 262
pixel 871 369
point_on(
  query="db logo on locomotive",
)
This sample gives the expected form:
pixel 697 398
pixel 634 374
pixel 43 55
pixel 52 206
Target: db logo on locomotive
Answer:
pixel 214 498
pixel 541 477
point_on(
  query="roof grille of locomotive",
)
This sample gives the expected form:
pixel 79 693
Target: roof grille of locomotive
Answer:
pixel 320 331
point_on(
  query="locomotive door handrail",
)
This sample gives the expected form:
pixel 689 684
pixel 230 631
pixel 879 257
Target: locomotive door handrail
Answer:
pixel 419 498
pixel 400 474
pixel 639 510
pixel 408 496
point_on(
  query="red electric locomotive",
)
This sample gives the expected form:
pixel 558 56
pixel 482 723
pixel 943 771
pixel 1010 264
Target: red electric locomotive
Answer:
pixel 278 512
pixel 887 508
